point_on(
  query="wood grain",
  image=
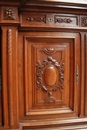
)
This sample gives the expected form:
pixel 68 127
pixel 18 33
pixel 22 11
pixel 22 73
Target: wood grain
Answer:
pixel 43 56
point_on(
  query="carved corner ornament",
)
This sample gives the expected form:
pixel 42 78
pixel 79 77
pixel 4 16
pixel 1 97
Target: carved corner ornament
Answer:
pixel 50 77
pixel 9 14
pixel 84 21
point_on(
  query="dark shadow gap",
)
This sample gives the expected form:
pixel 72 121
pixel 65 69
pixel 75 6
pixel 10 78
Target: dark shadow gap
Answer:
pixel 0 80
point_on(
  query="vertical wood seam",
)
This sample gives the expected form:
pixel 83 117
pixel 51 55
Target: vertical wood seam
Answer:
pixel 85 75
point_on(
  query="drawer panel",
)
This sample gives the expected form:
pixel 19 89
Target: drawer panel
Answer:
pixel 49 20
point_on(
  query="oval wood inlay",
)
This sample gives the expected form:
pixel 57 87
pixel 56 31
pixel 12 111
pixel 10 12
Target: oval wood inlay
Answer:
pixel 50 75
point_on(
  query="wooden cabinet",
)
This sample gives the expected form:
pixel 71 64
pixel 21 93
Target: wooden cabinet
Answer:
pixel 43 50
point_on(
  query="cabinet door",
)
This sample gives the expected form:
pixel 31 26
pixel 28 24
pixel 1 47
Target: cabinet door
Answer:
pixel 49 81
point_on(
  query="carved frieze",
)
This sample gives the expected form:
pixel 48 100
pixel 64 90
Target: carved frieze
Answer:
pixel 50 77
pixel 84 21
pixel 62 20
pixel 9 14
pixel 37 19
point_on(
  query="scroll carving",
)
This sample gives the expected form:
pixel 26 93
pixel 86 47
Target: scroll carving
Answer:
pixel 62 20
pixel 9 14
pixel 37 19
pixel 9 75
pixel 53 85
pixel 83 21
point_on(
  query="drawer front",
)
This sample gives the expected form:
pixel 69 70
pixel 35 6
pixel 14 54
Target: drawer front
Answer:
pixel 49 20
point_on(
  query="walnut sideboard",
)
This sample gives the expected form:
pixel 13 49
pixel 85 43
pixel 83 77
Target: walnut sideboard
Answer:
pixel 43 50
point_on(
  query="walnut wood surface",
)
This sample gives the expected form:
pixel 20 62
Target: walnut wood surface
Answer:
pixel 43 55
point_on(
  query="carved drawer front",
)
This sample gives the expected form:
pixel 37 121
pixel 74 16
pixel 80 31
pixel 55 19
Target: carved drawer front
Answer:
pixel 47 20
pixel 66 20
pixel 49 67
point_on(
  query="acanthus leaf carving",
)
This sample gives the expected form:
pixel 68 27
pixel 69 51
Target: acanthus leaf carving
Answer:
pixel 58 85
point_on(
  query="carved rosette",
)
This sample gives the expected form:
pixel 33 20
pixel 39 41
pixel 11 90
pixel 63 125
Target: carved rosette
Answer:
pixel 84 21
pixel 50 77
pixel 37 19
pixel 9 14
pixel 62 20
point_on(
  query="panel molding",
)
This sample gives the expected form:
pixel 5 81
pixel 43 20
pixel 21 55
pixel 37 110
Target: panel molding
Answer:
pixel 32 108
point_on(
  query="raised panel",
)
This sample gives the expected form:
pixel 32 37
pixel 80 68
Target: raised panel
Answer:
pixel 48 94
pixel 53 54
pixel 50 50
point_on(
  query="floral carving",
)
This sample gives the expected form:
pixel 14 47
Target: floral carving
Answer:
pixel 9 14
pixel 83 21
pixel 62 20
pixel 40 81
pixel 37 19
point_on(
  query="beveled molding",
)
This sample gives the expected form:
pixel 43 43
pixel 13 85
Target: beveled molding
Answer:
pixel 56 124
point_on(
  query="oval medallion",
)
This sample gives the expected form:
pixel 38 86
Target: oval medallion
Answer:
pixel 50 75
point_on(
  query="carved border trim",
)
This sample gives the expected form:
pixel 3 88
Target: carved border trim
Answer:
pixel 9 76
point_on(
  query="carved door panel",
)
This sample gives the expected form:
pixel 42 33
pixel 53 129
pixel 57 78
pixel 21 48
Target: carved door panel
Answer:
pixel 50 71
